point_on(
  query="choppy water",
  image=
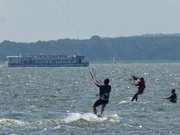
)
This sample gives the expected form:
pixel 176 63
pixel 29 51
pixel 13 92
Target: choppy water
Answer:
pixel 57 101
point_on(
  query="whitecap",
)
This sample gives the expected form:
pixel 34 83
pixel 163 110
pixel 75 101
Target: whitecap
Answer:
pixel 12 123
pixel 123 102
pixel 90 117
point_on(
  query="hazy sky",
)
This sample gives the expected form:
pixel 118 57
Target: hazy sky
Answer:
pixel 32 20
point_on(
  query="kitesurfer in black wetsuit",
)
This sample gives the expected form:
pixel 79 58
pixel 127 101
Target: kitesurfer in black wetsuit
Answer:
pixel 140 85
pixel 104 92
pixel 173 97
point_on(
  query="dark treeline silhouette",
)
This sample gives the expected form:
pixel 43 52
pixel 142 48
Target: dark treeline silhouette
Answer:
pixel 145 47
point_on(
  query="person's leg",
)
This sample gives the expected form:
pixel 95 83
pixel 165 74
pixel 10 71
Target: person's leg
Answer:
pixel 94 109
pixel 140 91
pixel 102 108
pixel 134 97
pixel 97 103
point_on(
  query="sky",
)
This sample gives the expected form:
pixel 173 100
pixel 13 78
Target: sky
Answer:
pixel 33 20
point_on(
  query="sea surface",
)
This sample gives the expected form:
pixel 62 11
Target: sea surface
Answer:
pixel 58 101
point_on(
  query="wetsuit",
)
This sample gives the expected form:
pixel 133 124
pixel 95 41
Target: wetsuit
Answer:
pixel 173 98
pixel 141 86
pixel 104 92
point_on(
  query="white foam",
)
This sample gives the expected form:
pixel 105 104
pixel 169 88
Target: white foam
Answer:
pixel 92 117
pixel 12 122
pixel 72 117
pixel 123 102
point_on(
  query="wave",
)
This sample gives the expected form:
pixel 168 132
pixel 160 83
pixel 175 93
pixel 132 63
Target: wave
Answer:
pixel 75 118
pixel 12 123
pixel 89 117
pixel 124 102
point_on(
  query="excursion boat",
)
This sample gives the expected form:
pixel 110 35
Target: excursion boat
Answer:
pixel 47 60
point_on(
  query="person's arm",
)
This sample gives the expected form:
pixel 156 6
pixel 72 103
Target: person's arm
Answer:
pixel 93 77
pixel 168 97
pixel 97 83
pixel 135 78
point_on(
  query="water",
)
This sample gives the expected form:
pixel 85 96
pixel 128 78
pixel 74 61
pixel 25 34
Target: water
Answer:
pixel 58 101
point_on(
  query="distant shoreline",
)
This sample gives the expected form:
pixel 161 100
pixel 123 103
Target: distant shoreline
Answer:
pixel 97 49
